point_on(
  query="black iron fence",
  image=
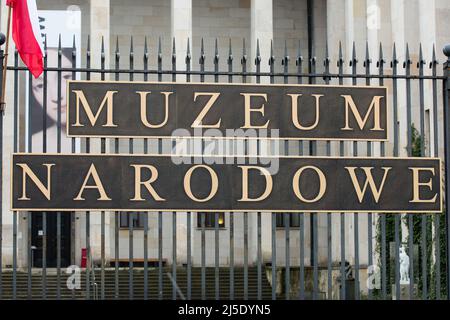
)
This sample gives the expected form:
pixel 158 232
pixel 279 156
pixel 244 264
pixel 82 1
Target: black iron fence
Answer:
pixel 313 256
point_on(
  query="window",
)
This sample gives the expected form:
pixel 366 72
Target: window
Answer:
pixel 294 220
pixel 210 219
pixel 136 217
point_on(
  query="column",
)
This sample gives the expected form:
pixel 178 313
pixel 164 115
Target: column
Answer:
pixel 99 28
pixel 262 30
pixel 181 30
pixel 8 125
pixel 335 34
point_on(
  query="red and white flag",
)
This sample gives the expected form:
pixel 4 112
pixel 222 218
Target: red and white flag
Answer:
pixel 26 34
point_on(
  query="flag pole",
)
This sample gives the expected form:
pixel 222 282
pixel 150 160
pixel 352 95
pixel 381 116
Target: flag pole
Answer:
pixel 5 64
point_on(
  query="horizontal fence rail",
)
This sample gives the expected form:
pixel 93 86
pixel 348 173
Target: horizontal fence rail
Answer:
pixel 249 255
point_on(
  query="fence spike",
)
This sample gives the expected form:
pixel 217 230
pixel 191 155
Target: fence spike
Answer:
pixel 216 52
pixel 145 49
pixel 74 48
pixel 299 59
pixel 258 54
pixel 422 61
pixel 353 60
pixel 381 60
pixel 159 50
pixel 102 51
pixel 285 60
pixel 188 52
pixel 394 61
pixel 202 53
pixel 174 51
pixel 45 45
pixel 230 52
pixel 117 52
pixel 326 61
pixel 59 45
pixel 341 57
pixel 367 60
pixel 244 52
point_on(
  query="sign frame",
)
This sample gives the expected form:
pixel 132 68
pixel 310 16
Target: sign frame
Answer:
pixel 167 137
pixel 169 210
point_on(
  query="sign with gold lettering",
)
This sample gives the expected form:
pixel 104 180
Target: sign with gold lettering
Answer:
pixel 158 109
pixel 58 182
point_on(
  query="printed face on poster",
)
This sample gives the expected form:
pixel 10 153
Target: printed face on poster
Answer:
pixel 44 118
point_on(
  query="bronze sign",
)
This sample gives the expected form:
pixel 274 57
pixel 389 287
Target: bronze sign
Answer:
pixel 52 182
pixel 158 109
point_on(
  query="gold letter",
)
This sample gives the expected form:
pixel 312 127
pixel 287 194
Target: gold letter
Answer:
pixel 417 184
pixel 214 183
pixel 98 185
pixel 147 184
pixel 198 121
pixel 108 100
pixel 369 181
pixel 375 104
pixel 26 171
pixel 294 105
pixel 143 95
pixel 249 110
pixel 322 182
pixel 269 183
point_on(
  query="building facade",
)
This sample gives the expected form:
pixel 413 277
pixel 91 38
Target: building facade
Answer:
pixel 310 29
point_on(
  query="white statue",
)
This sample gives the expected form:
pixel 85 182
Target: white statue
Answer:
pixel 404 266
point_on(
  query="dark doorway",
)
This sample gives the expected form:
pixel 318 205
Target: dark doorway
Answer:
pixel 37 230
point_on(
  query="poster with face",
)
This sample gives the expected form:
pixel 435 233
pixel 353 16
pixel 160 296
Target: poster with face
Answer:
pixel 44 118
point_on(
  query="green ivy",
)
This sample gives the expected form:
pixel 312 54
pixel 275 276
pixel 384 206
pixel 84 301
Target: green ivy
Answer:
pixel 419 229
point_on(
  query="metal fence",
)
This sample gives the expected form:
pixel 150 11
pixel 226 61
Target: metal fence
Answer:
pixel 426 236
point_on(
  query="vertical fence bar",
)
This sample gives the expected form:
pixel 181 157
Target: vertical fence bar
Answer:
pixel 216 217
pixel 424 217
pixel 245 255
pixel 258 214
pixel 203 243
pixel 145 61
pixel 327 79
pixel 230 80
pixel 367 63
pixel 160 214
pixel 72 214
pixel 58 150
pixel 2 56
pixel 446 87
pixel 117 213
pixel 189 215
pixel 174 214
pixel 203 275
pixel 353 64
pixel 44 150
pixel 29 214
pixel 301 289
pixel 313 152
pixel 274 215
pixel 88 215
pixel 15 213
pixel 407 67
pixel 244 65
pixel 287 216
pixel 380 65
pixel 131 215
pixel 397 221
pixel 340 65
pixel 102 214
pixel 436 218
